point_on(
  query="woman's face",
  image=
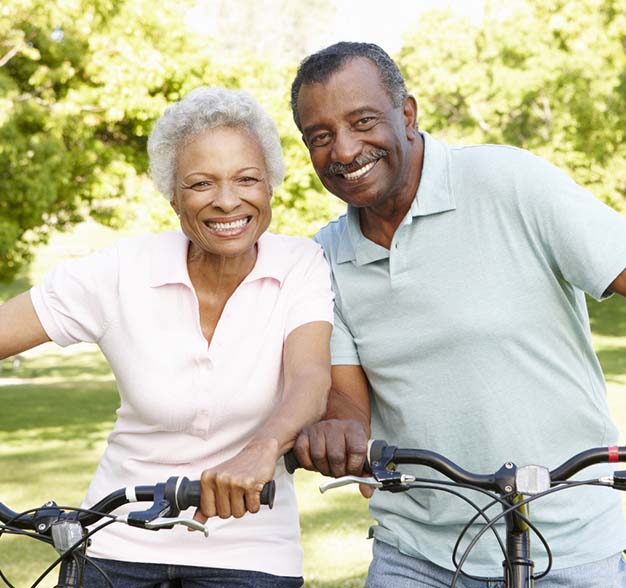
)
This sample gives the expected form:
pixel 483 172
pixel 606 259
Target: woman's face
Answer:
pixel 222 193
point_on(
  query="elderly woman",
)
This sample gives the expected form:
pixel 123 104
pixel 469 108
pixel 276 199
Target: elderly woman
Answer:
pixel 218 338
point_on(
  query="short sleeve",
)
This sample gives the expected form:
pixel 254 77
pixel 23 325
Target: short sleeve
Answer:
pixel 76 300
pixel 343 350
pixel 311 296
pixel 585 238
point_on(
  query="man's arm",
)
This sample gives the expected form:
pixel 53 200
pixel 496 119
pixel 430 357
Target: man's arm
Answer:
pixel 20 328
pixel 337 445
pixel 618 285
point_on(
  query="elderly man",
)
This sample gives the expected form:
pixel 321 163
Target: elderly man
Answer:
pixel 461 326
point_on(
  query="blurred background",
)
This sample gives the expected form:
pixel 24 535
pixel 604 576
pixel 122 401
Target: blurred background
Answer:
pixel 81 84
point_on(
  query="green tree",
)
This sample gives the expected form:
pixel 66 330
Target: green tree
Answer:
pixel 81 84
pixel 547 75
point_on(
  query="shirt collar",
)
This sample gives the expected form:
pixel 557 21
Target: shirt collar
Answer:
pixel 169 260
pixel 434 195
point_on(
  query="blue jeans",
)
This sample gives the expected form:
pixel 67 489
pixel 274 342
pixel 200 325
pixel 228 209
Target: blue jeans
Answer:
pixel 145 575
pixel 392 569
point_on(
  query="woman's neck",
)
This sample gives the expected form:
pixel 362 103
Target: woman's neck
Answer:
pixel 218 274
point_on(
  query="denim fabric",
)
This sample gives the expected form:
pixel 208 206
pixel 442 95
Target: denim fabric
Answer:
pixel 148 575
pixel 392 569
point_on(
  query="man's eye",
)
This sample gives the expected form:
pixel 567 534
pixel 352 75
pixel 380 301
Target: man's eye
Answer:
pixel 365 122
pixel 320 139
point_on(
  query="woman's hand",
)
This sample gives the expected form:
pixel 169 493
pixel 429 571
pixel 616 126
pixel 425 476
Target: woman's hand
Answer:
pixel 233 487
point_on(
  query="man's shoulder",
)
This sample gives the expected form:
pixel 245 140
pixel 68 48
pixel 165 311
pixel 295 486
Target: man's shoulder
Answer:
pixel 331 235
pixel 497 159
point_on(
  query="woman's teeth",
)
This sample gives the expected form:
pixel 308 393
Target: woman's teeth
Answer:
pixel 230 226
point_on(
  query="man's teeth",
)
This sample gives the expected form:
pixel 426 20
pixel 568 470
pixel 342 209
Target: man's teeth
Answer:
pixel 228 226
pixel 359 172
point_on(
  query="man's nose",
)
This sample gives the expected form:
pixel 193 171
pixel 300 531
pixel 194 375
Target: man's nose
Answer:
pixel 346 147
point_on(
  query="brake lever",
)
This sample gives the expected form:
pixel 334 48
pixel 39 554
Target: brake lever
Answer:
pixel 396 481
pixel 166 522
pixel 345 480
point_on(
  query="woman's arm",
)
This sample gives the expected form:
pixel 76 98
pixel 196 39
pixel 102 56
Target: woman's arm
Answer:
pixel 233 487
pixel 20 328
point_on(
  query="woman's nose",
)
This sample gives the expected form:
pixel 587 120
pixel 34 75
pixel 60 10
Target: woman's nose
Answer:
pixel 226 198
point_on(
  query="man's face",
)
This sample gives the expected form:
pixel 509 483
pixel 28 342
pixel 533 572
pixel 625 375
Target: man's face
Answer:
pixel 358 141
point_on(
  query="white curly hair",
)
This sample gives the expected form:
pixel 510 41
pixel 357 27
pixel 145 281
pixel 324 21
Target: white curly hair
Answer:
pixel 207 108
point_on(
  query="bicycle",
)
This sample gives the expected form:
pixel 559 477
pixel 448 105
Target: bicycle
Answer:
pixel 65 528
pixel 512 487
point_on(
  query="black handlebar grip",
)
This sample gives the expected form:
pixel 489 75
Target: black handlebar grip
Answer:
pixel 291 461
pixel 268 493
pixel 188 493
pixel 375 452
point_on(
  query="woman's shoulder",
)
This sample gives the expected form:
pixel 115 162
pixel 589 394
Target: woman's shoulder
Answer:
pixel 289 255
pixel 290 244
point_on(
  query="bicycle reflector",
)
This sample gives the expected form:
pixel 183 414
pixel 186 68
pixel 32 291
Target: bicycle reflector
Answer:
pixel 532 479
pixel 66 534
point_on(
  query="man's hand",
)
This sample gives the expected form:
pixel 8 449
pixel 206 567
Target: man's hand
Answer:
pixel 334 447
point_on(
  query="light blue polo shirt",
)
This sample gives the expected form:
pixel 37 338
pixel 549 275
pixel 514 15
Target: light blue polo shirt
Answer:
pixel 474 335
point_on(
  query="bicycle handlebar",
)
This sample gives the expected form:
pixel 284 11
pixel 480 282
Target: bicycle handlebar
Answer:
pixel 168 499
pixel 382 459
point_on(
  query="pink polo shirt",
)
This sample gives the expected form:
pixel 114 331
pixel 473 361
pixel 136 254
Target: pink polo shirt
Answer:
pixel 187 405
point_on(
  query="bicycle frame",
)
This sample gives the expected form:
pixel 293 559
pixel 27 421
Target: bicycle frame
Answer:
pixel 518 546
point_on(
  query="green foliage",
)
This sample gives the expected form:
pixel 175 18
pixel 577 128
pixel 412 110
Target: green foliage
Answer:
pixel 549 76
pixel 81 84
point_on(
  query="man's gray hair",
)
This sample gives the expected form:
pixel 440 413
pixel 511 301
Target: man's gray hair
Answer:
pixel 207 108
pixel 319 67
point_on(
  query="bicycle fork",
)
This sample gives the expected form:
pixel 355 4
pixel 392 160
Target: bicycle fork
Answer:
pixel 520 574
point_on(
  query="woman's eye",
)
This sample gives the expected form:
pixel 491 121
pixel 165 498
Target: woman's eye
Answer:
pixel 203 185
pixel 248 180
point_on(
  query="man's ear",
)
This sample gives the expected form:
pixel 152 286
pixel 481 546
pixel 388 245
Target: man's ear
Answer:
pixel 409 110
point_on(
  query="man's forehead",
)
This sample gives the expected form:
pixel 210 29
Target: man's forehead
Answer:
pixel 355 88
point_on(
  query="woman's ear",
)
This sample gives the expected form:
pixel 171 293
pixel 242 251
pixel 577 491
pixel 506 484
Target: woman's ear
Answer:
pixel 174 205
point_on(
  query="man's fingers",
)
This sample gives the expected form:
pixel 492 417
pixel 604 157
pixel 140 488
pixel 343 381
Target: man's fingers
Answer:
pixel 366 491
pixel 302 451
pixel 317 450
pixel 356 450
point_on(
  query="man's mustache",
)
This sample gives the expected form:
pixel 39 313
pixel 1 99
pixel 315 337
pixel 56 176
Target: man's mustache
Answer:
pixel 337 168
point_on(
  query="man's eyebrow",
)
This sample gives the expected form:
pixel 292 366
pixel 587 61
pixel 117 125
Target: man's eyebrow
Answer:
pixel 356 112
pixel 363 110
pixel 312 128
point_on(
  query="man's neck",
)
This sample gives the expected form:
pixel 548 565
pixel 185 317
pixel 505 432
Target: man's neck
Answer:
pixel 379 223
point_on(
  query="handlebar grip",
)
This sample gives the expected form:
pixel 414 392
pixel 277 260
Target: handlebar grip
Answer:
pixel 188 493
pixel 375 450
pixel 268 493
pixel 291 461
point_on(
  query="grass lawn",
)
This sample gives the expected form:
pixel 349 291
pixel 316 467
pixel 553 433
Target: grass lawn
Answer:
pixel 60 405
